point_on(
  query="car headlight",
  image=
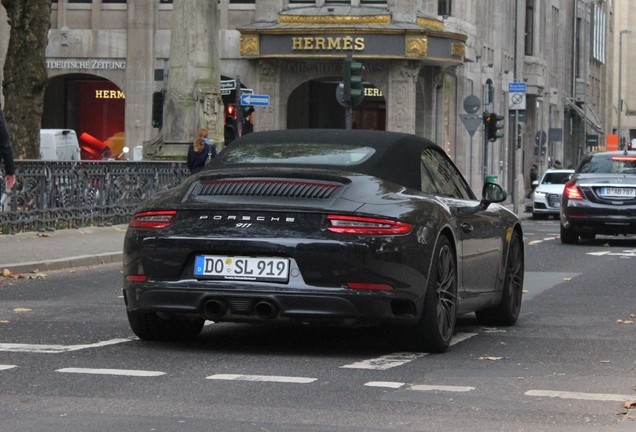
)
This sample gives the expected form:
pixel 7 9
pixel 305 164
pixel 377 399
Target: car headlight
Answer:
pixel 538 194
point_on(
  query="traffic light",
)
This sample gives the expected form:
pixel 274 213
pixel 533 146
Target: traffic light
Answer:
pixel 229 131
pixel 353 92
pixel 493 125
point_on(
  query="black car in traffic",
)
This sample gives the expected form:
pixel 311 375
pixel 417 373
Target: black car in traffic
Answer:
pixel 600 198
pixel 338 227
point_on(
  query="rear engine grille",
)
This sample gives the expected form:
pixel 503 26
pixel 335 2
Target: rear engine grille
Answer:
pixel 266 188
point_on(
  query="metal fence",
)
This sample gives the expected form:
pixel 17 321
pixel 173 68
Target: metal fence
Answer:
pixel 57 195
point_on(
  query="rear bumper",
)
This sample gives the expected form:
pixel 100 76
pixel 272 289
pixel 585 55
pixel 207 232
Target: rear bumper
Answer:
pixel 610 225
pixel 240 305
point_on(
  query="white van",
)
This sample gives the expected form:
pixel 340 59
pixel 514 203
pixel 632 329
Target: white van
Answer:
pixel 59 144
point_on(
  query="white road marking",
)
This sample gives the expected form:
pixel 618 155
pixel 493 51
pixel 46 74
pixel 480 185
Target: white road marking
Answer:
pixel 119 372
pixel 56 349
pixel 385 362
pixel 263 378
pixel 384 384
pixel 398 359
pixel 7 367
pixel 631 253
pixel 580 396
pixel 446 388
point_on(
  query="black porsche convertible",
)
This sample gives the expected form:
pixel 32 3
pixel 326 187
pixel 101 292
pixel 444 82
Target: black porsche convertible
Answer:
pixel 338 227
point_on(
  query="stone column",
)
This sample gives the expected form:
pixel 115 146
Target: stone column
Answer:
pixel 402 95
pixel 140 60
pixel 193 97
pixel 267 118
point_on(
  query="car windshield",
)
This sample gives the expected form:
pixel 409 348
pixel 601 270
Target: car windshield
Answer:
pixel 607 164
pixel 299 154
pixel 556 178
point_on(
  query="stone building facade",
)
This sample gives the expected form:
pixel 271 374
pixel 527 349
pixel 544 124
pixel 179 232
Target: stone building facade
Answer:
pixel 544 65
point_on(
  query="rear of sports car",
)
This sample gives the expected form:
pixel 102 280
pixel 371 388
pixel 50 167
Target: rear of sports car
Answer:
pixel 319 247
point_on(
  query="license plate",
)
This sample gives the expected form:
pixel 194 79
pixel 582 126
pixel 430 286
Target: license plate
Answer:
pixel 618 192
pixel 262 269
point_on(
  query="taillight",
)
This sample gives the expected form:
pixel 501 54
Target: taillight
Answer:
pixel 624 158
pixel 365 225
pixel 572 191
pixel 137 278
pixel 369 286
pixel 153 219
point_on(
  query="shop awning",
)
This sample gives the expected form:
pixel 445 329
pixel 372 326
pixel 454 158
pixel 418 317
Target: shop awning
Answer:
pixel 587 113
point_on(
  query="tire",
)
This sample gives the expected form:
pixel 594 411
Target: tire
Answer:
pixel 568 236
pixel 149 326
pixel 436 326
pixel 507 311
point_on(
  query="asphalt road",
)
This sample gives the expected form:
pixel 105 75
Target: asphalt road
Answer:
pixel 69 362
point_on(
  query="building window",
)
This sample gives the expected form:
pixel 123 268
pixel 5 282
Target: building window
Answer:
pixel 242 1
pixel 80 1
pixel 444 7
pixel 114 1
pixel 598 34
pixel 529 46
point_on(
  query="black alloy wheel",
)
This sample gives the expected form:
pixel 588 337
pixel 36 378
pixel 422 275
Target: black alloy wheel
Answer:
pixel 507 311
pixel 435 329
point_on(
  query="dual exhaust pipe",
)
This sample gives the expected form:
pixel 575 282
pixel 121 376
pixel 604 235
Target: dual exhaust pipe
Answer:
pixel 218 308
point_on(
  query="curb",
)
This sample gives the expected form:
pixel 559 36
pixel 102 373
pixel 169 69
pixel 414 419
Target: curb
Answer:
pixel 64 263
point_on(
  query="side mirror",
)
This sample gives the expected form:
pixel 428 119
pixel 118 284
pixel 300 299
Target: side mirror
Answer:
pixel 492 193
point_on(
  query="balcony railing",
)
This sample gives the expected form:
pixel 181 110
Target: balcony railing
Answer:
pixel 57 195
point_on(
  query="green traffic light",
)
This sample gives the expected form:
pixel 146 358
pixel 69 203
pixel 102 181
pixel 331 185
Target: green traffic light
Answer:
pixel 353 86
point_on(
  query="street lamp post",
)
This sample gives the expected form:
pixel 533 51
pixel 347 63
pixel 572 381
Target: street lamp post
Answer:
pixel 620 81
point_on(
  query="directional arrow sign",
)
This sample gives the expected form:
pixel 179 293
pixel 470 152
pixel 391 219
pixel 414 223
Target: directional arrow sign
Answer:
pixel 255 100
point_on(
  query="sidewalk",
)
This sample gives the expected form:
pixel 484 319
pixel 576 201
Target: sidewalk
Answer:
pixel 44 251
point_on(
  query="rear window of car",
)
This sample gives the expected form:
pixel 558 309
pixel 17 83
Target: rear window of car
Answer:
pixel 299 154
pixel 609 164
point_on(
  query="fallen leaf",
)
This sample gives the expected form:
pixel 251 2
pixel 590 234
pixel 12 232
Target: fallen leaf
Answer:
pixel 493 358
pixel 524 291
pixel 567 279
pixel 39 276
pixel 7 273
pixel 606 361
pixel 43 235
pixel 4 321
pixel 18 310
pixel 630 404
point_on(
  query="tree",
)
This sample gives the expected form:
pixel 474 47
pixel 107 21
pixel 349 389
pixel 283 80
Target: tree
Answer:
pixel 25 75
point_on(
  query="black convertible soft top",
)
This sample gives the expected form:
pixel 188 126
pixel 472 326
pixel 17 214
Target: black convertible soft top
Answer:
pixel 396 157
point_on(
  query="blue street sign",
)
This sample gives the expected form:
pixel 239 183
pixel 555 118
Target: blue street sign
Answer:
pixel 517 87
pixel 255 100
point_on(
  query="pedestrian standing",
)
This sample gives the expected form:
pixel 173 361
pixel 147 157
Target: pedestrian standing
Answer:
pixel 200 151
pixel 534 176
pixel 6 154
